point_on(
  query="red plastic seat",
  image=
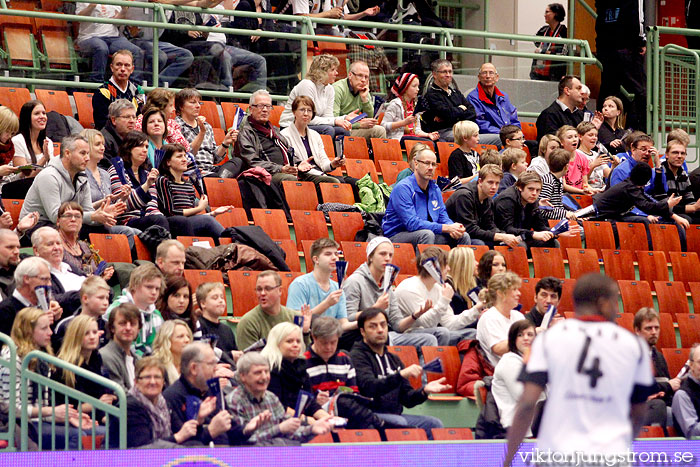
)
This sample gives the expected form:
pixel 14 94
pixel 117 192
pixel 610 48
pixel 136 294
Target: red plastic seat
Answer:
pixel 652 266
pixel 582 262
pixel 619 264
pixel 309 225
pixel 449 356
pixel 671 297
pixel 300 195
pixel 633 236
pixel 336 193
pixel 516 260
pixel 548 262
pixel 391 169
pixel 408 356
pixel 272 221
pixel 113 248
pixel 599 235
pixel 358 168
pixel 686 266
pixel 223 192
pixel 345 225
pixel 676 359
pixel 355 147
pixel 635 295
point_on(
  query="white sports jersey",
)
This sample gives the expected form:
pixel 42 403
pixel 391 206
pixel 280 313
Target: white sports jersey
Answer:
pixel 594 370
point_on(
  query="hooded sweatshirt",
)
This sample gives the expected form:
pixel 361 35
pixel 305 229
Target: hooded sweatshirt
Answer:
pixel 151 321
pixel 362 291
pixel 53 187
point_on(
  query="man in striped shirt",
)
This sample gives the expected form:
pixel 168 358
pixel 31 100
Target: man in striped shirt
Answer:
pixel 329 368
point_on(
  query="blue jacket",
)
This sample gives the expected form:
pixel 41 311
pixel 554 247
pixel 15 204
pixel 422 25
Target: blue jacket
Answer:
pixel 402 212
pixel 622 172
pixel 491 118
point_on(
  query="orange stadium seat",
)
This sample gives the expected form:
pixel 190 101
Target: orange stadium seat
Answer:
pixel 689 329
pixel 324 438
pixel 229 109
pixel 548 262
pixel 386 149
pixel 529 130
pixel 478 250
pixel 516 259
pixel 83 102
pixel 633 236
pixel 405 434
pixel 480 148
pixel 583 200
pixel 188 240
pixel 309 225
pixel 237 217
pixel 619 264
pixel 527 293
pixel 355 147
pixel 405 258
pixel 686 267
pixel 651 432
pixel 300 195
pixel 272 221
pixel 345 225
pixel 635 295
pixel 695 294
pixel 219 135
pixel 423 246
pixel 210 111
pixel 676 359
pixel 652 266
pixel 14 98
pixel 358 168
pixel 664 237
pixel 328 146
pixel 444 151
pixel 408 356
pixel 56 43
pixel 582 262
pixel 667 336
pixel 306 248
pixel 408 144
pixel 112 248
pixel 195 277
pixel 243 294
pixel 355 253
pixel 14 207
pixel 671 297
pixel 449 356
pixel 275 115
pixel 291 254
pixel 599 235
pixel 567 295
pixel 692 234
pixel 223 192
pixel 358 436
pixel 452 434
pixel 141 250
pixel 336 193
pixel 626 320
pixel 57 101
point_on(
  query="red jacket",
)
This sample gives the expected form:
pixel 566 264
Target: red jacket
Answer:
pixel 474 367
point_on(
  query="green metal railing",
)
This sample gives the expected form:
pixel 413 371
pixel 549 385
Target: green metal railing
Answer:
pixel 673 86
pixel 446 38
pixel 60 395
pixel 11 365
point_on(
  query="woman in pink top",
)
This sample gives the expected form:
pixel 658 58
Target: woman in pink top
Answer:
pixel 164 100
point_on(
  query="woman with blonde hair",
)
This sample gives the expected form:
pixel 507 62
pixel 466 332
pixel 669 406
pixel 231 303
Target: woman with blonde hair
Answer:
pixel 79 348
pixel 461 277
pixel 502 295
pixel 31 330
pixel 164 100
pixel 284 350
pixel 171 339
pixel 9 126
pixel 318 85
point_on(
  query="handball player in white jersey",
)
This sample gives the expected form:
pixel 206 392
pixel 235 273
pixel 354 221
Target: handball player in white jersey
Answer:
pixel 597 375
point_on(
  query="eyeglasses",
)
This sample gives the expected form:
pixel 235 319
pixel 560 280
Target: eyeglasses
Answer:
pixel 127 117
pixel 522 138
pixel 360 76
pixel 151 377
pixel 488 73
pixel 262 106
pixel 429 164
pixel 444 72
pixel 72 216
pixel 267 289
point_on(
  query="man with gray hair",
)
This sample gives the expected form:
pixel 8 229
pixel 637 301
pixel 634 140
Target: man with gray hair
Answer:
pixel 198 364
pixel 352 98
pixel 251 400
pixel 170 258
pixel 30 274
pixel 443 104
pixel 122 120
pixel 261 146
pixel 63 180
pixel 686 401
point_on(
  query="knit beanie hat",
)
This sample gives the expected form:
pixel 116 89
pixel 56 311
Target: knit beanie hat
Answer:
pixel 402 83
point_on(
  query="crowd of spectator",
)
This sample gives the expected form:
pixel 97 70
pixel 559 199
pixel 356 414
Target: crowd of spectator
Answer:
pixel 141 172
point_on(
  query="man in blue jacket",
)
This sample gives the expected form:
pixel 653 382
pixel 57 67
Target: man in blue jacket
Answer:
pixel 416 213
pixel 493 108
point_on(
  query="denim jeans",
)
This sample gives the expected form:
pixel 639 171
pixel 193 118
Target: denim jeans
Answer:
pixel 425 422
pixel 99 49
pixel 235 56
pixel 204 226
pixel 428 237
pixel 172 60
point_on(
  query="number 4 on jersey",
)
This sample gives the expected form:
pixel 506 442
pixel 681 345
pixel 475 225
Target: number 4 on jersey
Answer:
pixel 593 371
